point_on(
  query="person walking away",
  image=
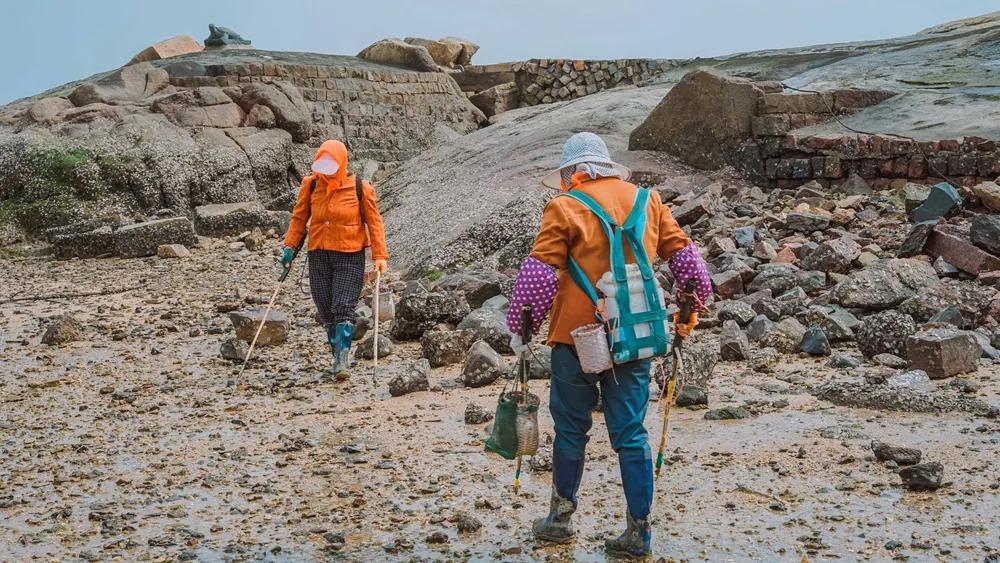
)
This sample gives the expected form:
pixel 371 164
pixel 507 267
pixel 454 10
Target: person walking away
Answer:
pixel 343 219
pixel 571 234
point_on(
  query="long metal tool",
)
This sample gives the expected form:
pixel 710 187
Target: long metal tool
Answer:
pixel 375 314
pixel 267 311
pixel 524 366
pixel 683 317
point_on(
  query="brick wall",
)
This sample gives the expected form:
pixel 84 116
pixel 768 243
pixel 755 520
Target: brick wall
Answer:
pixel 383 115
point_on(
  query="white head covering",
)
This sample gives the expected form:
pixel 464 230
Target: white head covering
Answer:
pixel 585 152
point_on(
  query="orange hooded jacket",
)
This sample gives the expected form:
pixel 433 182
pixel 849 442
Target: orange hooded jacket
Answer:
pixel 333 211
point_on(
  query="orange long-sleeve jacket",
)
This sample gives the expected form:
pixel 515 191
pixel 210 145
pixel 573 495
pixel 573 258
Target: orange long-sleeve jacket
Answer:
pixel 334 213
pixel 570 229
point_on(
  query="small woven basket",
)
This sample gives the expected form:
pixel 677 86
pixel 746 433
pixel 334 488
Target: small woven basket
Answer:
pixel 526 422
pixel 591 343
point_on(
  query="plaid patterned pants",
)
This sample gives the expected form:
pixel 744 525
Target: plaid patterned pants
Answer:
pixel 335 280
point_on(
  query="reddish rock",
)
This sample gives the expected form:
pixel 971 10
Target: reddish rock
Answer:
pixel 943 352
pixel 786 255
pixel 728 284
pixel 957 250
pixel 175 46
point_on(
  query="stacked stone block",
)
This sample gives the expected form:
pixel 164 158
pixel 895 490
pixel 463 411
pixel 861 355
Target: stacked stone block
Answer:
pixel 543 81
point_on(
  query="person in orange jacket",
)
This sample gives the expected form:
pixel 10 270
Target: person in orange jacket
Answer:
pixel 341 226
pixel 572 234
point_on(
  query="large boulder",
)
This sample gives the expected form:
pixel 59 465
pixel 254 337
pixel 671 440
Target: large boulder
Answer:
pixel 89 244
pixel 448 52
pixel 498 99
pixel 142 239
pixel 489 325
pixel 702 120
pixel 943 352
pixel 285 102
pixel 173 47
pixel 394 51
pixel 971 299
pixel 221 219
pixel 420 310
pixel 444 347
pixel 207 106
pixel 885 284
pixel 476 286
pixel 128 84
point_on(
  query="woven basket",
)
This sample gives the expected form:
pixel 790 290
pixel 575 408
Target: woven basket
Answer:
pixel 591 342
pixel 526 423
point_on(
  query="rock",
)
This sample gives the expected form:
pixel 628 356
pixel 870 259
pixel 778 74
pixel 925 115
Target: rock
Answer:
pixel 445 347
pixel 839 325
pixel 691 396
pixel 698 362
pixel 835 255
pixel 949 315
pixel 758 327
pixel 814 342
pixel 207 106
pixel 885 333
pixel 420 310
pixel 172 251
pixel 733 343
pixel 989 351
pixel 61 330
pixel 941 202
pixel 173 47
pixel 944 269
pixel 778 278
pixel 843 361
pixel 914 195
pixel 47 110
pixel 727 413
pixel 702 120
pixel 855 185
pixel 482 365
pixel 132 83
pixel 286 103
pixel 763 359
pixel 889 360
pixel 539 364
pixel 786 336
pixel 444 52
pixel 498 99
pixel 489 325
pixel 806 221
pixel 727 284
pixel 943 352
pixel 366 348
pixel 475 414
pixel 476 286
pixel 221 219
pixel 89 244
pixel 234 349
pixel 467 523
pixel 738 311
pixel 884 284
pixel 989 194
pixel 275 329
pixel 143 239
pixel 952 243
pixel 914 380
pixel 985 233
pixel 899 454
pixel 411 380
pixel 397 52
pixel 970 298
pixel 745 236
pixel 923 476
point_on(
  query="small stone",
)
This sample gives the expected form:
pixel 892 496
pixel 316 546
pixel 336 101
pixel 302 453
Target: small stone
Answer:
pixel 733 342
pixel 275 329
pixel 738 311
pixel 727 413
pixel 889 361
pixel 763 359
pixel 366 348
pixel 63 329
pixel 814 342
pixel 943 352
pixel 691 396
pixel 467 523
pixel 942 201
pixel 172 251
pixel 482 365
pixel 438 538
pixel 923 476
pixel 843 361
pixel 412 380
pixel 899 454
pixel 475 414
pixel 445 347
pixel 234 349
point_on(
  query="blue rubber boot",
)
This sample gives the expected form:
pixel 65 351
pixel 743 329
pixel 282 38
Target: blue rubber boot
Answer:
pixel 331 337
pixel 637 479
pixel 342 351
pixel 558 525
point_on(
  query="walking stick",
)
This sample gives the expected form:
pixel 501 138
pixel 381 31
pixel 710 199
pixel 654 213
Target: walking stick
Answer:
pixel 683 316
pixel 378 290
pixel 267 311
pixel 524 365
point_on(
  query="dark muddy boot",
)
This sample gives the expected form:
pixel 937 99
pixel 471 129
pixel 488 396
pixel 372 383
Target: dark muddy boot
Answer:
pixel 558 526
pixel 636 542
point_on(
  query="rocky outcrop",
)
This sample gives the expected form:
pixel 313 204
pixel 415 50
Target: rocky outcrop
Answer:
pixel 397 52
pixel 175 46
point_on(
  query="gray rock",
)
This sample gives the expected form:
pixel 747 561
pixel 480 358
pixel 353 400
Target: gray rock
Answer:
pixel 763 359
pixel 61 330
pixel 482 365
pixel 806 221
pixel 411 380
pixel 445 347
pixel 489 325
pixel 855 185
pixel 916 239
pixel 234 349
pixel 814 342
pixel 941 202
pixel 914 195
pixel 885 333
pixel 835 255
pixel 275 329
pixel 949 315
pixel 843 361
pixel 691 396
pixel 885 284
pixel 943 352
pixel 779 278
pixel 985 233
pixel 738 311
pixel 220 219
pixel 475 414
pixel 142 239
pixel 733 343
pixel 785 336
pixel 420 310
pixel 758 327
pixel 539 363
pixel 497 302
pixel 889 361
pixel 989 351
pixel 769 307
pixel 476 286
pixel 899 454
pixel 366 348
pixel 727 413
pixel 923 476
pixel 971 299
pixel 90 244
pixel 699 359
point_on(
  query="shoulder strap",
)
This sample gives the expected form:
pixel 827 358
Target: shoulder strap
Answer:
pixel 359 186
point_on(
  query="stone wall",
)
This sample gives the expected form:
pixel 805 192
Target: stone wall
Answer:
pixel 385 114
pixel 789 159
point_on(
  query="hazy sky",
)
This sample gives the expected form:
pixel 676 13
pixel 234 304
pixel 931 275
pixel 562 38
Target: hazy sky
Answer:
pixel 45 43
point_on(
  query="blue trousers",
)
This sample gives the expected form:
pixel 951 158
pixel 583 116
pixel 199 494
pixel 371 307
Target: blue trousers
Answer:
pixel 625 394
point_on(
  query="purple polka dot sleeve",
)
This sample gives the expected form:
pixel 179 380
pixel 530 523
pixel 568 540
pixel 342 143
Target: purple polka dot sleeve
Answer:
pixel 536 285
pixel 686 265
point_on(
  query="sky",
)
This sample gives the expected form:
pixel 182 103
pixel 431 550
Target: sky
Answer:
pixel 46 43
